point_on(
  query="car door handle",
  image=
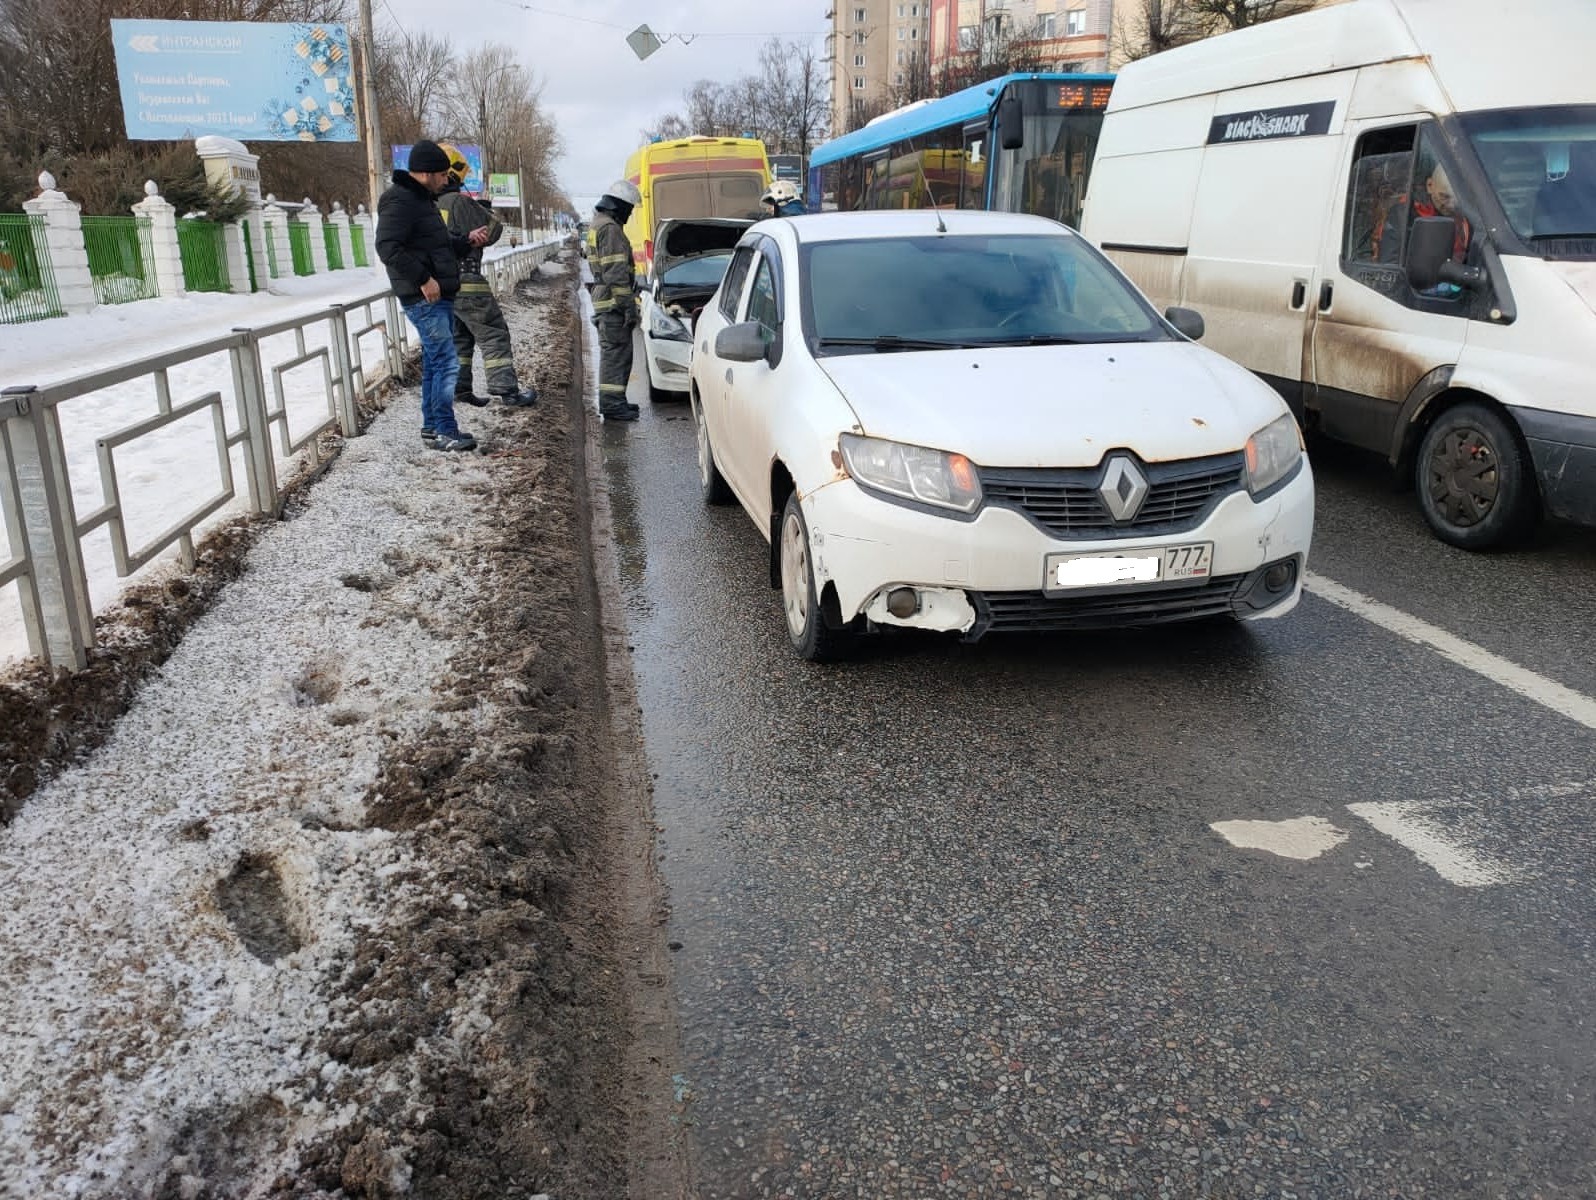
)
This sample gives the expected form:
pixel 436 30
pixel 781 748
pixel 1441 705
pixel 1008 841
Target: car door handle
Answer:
pixel 1299 294
pixel 1327 295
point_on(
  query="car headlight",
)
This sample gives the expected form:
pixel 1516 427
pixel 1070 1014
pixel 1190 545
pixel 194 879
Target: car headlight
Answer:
pixel 1272 453
pixel 913 472
pixel 662 325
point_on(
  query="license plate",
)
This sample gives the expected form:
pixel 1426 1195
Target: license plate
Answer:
pixel 1155 564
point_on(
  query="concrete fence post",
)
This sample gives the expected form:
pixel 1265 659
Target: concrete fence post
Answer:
pixel 166 265
pixel 237 257
pixel 275 221
pixel 311 216
pixel 63 243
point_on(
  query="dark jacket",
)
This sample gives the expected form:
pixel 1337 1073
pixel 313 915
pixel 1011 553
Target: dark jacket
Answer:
pixel 413 242
pixel 463 214
pixel 610 259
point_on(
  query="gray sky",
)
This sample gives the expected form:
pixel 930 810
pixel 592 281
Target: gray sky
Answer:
pixel 598 92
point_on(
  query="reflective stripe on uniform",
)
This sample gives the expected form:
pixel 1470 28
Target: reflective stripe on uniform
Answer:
pixel 475 289
pixel 613 387
pixel 604 260
pixel 492 363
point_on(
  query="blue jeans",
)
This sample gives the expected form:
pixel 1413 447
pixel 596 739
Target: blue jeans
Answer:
pixel 440 365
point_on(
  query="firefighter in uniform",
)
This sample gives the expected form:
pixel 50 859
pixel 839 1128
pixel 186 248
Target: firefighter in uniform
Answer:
pixel 478 319
pixel 609 257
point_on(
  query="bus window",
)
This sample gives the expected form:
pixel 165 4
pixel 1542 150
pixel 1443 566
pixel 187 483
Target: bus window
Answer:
pixel 972 181
pixel 1047 175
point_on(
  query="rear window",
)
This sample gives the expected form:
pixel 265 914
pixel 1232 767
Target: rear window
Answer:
pixel 707 196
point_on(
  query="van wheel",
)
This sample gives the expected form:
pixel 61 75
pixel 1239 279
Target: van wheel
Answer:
pixel 1475 484
pixel 711 483
pixel 800 599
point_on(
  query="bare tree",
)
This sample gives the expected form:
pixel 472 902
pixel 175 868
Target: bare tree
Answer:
pixel 1153 26
pixel 1224 15
pixel 411 72
pixel 993 51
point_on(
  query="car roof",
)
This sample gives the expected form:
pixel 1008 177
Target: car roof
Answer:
pixel 918 222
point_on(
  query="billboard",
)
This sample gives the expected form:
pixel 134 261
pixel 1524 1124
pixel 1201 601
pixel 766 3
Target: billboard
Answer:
pixel 504 186
pixel 473 157
pixel 246 80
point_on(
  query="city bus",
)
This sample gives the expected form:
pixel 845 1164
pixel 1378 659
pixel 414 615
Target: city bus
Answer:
pixel 1019 143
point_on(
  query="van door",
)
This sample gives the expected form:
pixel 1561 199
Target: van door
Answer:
pixel 1376 339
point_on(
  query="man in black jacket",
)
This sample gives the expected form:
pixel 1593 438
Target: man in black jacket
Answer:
pixel 423 261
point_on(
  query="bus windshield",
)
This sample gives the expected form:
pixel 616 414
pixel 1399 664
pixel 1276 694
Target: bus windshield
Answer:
pixel 1047 175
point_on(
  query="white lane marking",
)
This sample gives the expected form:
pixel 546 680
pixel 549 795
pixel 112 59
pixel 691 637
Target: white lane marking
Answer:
pixel 1550 791
pixel 1405 822
pixel 1301 838
pixel 1564 701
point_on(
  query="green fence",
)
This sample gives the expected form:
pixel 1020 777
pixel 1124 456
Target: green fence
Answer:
pixel 27 285
pixel 299 243
pixel 204 255
pixel 121 260
pixel 335 250
pixel 357 240
pixel 249 254
pixel 271 255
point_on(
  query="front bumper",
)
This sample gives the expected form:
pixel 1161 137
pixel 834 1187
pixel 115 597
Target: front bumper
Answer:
pixel 1563 449
pixel 986 574
pixel 668 361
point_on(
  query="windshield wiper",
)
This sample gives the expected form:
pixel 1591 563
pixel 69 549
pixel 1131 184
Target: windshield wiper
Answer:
pixel 1032 339
pixel 891 341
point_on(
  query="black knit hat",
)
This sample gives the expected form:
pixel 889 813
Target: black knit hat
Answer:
pixel 427 156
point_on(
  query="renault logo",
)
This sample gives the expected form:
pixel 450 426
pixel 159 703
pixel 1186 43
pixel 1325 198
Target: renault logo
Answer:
pixel 1123 489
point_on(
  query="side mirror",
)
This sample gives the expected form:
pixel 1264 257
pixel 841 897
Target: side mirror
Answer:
pixel 1011 121
pixel 744 342
pixel 1429 247
pixel 1188 322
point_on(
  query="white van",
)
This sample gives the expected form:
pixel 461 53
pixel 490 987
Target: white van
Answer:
pixel 1387 209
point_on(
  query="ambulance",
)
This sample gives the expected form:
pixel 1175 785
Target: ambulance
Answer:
pixel 1386 209
pixel 693 177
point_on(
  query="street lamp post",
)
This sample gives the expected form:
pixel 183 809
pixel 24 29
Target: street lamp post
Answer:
pixel 482 131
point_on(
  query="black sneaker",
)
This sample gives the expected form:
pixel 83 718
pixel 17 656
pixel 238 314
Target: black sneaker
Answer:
pixel 629 413
pixel 429 436
pixel 525 398
pixel 471 398
pixel 455 441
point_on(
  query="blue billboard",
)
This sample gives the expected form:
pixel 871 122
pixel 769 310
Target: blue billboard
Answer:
pixel 250 81
pixel 472 154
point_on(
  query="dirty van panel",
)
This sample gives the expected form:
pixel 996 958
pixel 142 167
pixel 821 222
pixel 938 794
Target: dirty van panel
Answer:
pixel 1157 275
pixel 1364 374
pixel 1248 310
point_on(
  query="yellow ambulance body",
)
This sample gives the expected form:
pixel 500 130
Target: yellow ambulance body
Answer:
pixel 693 177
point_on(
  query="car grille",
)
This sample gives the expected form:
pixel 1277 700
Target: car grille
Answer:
pixel 1036 612
pixel 1064 501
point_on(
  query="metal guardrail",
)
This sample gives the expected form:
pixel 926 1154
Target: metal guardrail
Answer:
pixel 42 524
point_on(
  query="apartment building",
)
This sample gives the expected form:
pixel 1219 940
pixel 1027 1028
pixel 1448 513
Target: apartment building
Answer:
pixel 1052 35
pixel 875 47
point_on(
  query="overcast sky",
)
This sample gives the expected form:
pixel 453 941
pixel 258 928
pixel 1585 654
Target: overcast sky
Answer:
pixel 598 92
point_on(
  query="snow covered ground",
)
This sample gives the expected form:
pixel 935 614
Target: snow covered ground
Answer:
pixel 179 914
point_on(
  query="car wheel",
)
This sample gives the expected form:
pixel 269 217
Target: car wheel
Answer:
pixel 800 602
pixel 1475 484
pixel 710 481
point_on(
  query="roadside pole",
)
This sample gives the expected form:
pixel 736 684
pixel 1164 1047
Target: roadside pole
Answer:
pixel 371 121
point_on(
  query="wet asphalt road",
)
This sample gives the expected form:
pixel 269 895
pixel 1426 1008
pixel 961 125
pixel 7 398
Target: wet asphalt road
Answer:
pixel 953 921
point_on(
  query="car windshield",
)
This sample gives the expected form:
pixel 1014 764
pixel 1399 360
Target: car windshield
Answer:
pixel 703 271
pixel 961 290
pixel 1542 164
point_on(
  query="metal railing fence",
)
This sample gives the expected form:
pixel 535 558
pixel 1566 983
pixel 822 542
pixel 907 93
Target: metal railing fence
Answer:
pixel 27 283
pixel 204 255
pixel 44 528
pixel 121 258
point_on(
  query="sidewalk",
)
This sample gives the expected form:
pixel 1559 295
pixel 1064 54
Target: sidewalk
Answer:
pixel 306 916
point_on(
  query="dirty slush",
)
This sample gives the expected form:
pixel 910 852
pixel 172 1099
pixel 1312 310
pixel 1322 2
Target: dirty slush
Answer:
pixel 492 1017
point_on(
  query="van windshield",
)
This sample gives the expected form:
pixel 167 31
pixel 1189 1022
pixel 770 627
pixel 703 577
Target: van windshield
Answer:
pixel 1542 164
pixel 961 290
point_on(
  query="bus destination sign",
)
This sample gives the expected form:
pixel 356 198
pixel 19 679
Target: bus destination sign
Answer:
pixel 1082 95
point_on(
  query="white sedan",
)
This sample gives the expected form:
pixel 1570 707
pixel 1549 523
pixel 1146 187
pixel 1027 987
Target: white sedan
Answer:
pixel 972 422
pixel 690 256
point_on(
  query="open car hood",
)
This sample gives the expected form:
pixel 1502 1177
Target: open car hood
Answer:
pixel 677 239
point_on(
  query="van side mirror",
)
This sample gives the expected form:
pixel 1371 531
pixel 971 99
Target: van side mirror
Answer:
pixel 744 342
pixel 1011 121
pixel 1188 322
pixel 1429 256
